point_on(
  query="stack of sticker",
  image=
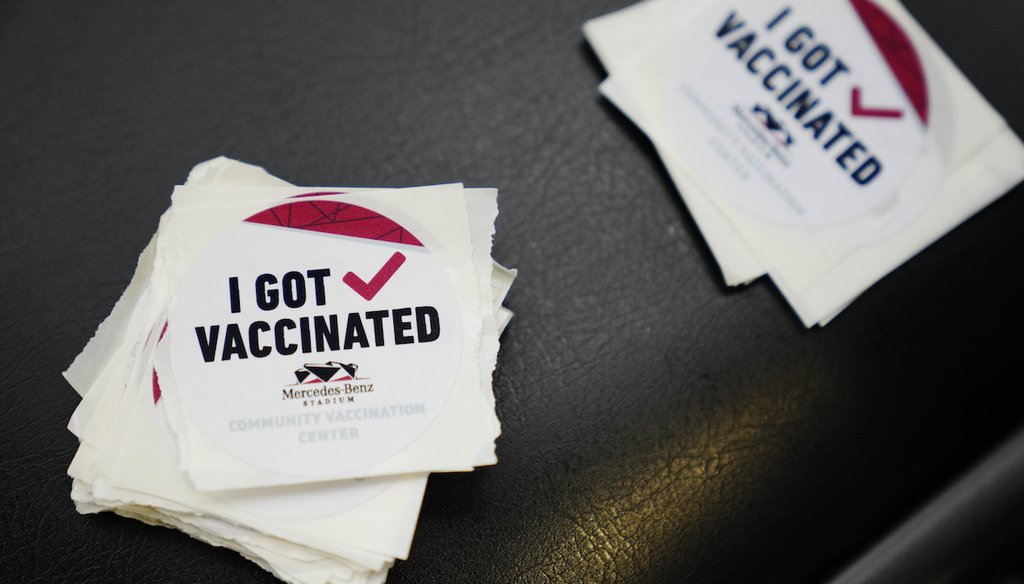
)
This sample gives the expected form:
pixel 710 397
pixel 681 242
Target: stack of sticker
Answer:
pixel 288 364
pixel 821 142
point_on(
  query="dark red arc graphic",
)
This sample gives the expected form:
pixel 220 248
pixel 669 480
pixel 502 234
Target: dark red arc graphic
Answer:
pixel 898 52
pixel 156 388
pixel 337 219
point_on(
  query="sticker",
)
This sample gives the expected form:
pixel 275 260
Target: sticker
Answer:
pixel 293 503
pixel 804 112
pixel 315 338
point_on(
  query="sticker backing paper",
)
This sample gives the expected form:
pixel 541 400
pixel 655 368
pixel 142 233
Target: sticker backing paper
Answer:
pixel 264 311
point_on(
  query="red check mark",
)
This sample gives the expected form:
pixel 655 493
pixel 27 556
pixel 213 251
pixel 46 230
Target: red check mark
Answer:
pixel 383 275
pixel 860 111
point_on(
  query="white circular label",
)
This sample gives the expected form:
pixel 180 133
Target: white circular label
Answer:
pixel 294 502
pixel 807 112
pixel 315 338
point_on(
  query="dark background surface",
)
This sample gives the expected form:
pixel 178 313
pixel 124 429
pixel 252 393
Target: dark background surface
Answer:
pixel 658 427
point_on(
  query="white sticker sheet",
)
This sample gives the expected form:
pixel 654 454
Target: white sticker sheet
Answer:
pixel 822 143
pixel 156 426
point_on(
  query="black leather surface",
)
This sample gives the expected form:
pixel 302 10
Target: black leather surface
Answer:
pixel 957 524
pixel 657 426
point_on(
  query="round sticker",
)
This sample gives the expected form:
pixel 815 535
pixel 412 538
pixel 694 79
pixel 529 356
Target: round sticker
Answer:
pixel 804 112
pixel 293 503
pixel 315 338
